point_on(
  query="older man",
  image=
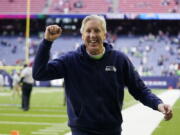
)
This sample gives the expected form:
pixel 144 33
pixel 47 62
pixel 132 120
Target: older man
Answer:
pixel 95 76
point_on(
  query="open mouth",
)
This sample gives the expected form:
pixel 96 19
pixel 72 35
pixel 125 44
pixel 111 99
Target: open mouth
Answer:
pixel 93 42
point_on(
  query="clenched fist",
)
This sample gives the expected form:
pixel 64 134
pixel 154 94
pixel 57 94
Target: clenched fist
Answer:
pixel 52 32
pixel 166 110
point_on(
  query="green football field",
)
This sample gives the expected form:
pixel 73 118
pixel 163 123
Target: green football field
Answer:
pixel 47 115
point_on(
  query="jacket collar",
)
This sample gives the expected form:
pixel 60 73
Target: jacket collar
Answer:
pixel 81 50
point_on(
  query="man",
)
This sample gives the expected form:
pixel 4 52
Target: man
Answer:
pixel 27 84
pixel 95 76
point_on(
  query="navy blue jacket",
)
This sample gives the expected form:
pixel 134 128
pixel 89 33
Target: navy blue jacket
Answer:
pixel 94 88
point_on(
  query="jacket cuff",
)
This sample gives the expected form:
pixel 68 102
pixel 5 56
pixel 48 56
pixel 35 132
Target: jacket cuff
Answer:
pixel 156 105
pixel 47 42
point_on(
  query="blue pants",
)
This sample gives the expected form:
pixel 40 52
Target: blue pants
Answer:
pixel 80 132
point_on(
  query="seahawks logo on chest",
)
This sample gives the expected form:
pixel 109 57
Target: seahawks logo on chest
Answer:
pixel 110 69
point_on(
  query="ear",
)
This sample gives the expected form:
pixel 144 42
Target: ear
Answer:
pixel 105 34
pixel 82 36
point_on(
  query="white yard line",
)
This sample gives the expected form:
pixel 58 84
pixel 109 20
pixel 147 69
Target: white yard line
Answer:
pixel 32 115
pixel 28 123
pixel 141 120
pixel 52 130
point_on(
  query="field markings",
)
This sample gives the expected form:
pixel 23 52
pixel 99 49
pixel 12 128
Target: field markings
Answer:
pixel 130 103
pixel 28 123
pixel 52 130
pixel 5 94
pixel 142 120
pixel 56 109
pixel 8 93
pixel 37 110
pixel 42 106
pixel 32 115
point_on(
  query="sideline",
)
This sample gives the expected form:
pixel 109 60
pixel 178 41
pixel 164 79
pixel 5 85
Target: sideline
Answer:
pixel 142 120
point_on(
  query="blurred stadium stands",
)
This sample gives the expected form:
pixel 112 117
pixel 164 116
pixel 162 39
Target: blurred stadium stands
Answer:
pixel 79 6
pixel 90 6
pixel 19 6
pixel 150 6
pixel 142 29
pixel 151 55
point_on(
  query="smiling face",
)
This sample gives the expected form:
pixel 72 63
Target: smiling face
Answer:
pixel 93 36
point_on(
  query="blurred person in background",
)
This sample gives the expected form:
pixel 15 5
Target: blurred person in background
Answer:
pixel 95 76
pixel 16 86
pixel 27 85
pixel 1 81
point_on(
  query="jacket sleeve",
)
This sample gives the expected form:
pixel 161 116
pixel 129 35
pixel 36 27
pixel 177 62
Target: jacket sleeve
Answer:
pixel 137 88
pixel 43 69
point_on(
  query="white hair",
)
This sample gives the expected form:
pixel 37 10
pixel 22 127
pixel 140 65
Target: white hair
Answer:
pixel 94 17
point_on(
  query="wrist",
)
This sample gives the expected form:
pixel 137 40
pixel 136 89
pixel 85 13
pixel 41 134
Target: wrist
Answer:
pixel 48 41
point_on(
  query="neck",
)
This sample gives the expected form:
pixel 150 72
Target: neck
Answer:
pixel 97 56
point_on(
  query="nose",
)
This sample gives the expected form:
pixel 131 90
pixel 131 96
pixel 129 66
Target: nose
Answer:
pixel 92 34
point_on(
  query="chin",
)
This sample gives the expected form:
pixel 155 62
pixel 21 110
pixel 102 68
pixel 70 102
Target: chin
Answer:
pixel 94 51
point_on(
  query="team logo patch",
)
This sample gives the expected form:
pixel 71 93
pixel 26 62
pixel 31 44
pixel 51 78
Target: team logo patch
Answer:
pixel 110 69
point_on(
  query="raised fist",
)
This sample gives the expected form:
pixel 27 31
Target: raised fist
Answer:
pixel 52 32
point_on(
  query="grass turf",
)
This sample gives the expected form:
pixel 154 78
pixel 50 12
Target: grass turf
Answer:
pixel 47 115
pixel 171 127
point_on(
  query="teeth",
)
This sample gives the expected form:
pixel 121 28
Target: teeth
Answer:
pixel 93 41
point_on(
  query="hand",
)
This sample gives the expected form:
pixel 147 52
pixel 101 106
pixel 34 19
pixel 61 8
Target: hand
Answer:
pixel 166 110
pixel 52 32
